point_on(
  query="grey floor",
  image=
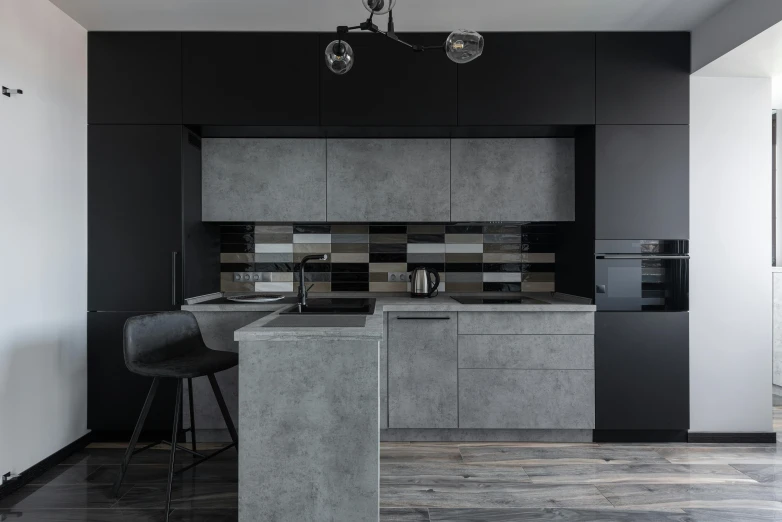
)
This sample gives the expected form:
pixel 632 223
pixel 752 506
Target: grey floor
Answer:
pixel 494 482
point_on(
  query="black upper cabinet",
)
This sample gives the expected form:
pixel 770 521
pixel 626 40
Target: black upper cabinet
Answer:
pixel 389 84
pixel 643 78
pixel 134 217
pixel 642 182
pixel 250 78
pixel 529 79
pixel 134 78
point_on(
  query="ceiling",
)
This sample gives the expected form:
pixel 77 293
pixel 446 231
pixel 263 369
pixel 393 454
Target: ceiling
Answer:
pixel 760 56
pixel 409 15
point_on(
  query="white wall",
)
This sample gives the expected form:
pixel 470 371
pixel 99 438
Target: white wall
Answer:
pixel 730 283
pixel 43 229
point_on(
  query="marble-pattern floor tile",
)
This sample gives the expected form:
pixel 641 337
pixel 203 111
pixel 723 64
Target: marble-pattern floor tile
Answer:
pixel 65 474
pixel 404 452
pixel 396 472
pixel 119 515
pixel 763 473
pixel 667 496
pixel 404 515
pixel 219 471
pixel 62 496
pixel 469 481
pixel 726 454
pixel 552 515
pixel 495 494
pixel 529 456
pixel 187 495
pixel 636 474
pixel 728 515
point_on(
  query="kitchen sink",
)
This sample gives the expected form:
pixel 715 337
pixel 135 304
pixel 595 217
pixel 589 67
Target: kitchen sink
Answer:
pixel 333 306
pixel 317 321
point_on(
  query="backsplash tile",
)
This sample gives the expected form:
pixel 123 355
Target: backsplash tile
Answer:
pixel 469 257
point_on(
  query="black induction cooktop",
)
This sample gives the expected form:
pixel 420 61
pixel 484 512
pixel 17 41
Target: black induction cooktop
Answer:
pixel 497 300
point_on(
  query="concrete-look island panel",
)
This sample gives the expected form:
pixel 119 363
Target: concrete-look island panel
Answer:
pixel 313 402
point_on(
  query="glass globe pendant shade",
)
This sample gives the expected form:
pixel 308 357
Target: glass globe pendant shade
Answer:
pixel 463 46
pixel 339 56
pixel 379 7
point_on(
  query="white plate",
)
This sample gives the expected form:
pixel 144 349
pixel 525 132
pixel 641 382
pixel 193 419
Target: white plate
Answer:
pixel 254 298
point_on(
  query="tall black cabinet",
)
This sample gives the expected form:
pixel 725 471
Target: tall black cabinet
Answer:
pixel 134 217
pixel 144 229
pixel 147 246
pixel 641 170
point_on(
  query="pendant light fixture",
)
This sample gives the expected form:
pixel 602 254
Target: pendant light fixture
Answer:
pixel 461 46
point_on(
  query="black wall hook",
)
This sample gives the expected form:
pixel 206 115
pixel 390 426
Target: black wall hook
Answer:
pixel 8 92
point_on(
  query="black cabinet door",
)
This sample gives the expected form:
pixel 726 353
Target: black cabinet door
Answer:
pixel 643 78
pixel 250 78
pixel 134 78
pixel 529 79
pixel 642 371
pixel 389 84
pixel 114 395
pixel 642 182
pixel 134 217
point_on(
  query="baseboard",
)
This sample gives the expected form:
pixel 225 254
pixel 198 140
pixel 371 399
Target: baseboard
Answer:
pixel 640 436
pixel 482 435
pixel 732 438
pixel 36 470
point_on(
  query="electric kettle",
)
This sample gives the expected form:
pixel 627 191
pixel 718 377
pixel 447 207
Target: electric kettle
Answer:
pixel 424 282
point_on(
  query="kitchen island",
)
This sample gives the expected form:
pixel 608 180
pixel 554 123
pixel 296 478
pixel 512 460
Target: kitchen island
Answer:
pixel 313 400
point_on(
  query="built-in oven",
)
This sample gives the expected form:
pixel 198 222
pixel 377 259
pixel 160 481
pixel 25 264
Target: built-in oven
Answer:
pixel 642 275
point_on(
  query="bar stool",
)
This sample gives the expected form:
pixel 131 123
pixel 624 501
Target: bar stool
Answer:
pixel 168 345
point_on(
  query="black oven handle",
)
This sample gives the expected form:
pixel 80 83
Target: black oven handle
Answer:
pixel 637 256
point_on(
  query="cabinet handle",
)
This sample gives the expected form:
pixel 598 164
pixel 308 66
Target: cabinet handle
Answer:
pixel 173 278
pixel 423 318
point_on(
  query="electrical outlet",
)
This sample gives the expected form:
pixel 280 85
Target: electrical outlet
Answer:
pixel 395 277
pixel 243 277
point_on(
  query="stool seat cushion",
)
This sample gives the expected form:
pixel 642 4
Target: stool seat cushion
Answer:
pixel 169 344
pixel 189 365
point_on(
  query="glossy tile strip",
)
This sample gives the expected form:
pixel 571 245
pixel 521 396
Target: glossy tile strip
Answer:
pixel 371 257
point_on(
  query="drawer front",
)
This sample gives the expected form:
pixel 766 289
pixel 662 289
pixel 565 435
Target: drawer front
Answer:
pixel 527 352
pixel 527 323
pixel 527 399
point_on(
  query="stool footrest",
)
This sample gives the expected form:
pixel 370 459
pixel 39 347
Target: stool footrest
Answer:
pixel 179 447
pixel 205 458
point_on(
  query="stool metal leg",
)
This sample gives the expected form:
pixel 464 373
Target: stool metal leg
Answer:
pixel 136 432
pixel 224 409
pixel 174 430
pixel 192 415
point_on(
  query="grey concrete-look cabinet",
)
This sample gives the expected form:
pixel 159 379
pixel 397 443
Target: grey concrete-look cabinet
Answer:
pixel 529 352
pixel 217 329
pixel 524 179
pixel 422 370
pixel 527 323
pixel 389 180
pixel 527 399
pixel 264 179
pixel 383 375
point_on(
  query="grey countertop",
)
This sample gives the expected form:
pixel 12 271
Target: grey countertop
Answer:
pixel 373 330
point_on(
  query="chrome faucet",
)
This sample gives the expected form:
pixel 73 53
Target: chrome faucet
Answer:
pixel 302 287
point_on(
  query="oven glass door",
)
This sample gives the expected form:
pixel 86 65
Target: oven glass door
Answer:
pixel 642 283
